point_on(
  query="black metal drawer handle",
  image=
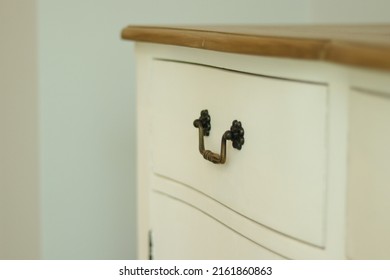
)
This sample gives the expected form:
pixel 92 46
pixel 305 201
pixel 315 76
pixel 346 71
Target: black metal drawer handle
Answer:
pixel 235 134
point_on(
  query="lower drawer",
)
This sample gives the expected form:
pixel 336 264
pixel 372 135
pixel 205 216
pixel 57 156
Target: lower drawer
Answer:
pixel 180 231
pixel 278 179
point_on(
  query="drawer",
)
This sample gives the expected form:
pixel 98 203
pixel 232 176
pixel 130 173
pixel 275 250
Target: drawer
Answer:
pixel 176 235
pixel 278 178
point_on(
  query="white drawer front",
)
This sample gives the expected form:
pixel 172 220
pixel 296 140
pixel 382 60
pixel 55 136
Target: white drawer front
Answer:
pixel 278 179
pixel 181 231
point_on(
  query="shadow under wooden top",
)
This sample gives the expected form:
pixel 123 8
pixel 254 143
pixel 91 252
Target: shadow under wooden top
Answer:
pixel 357 45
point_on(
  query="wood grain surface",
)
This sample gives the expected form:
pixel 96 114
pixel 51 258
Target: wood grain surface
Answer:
pixel 357 45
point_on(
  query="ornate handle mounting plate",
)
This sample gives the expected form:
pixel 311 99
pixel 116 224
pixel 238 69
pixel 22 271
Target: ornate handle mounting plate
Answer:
pixel 235 134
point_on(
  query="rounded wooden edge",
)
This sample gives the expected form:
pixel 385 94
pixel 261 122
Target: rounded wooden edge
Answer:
pixel 337 51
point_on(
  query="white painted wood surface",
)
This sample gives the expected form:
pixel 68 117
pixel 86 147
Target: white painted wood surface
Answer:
pixel 310 121
pixel 279 177
pixel 369 175
pixel 181 231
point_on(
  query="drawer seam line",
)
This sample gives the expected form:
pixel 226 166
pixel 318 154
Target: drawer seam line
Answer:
pixel 238 213
pixel 371 92
pixel 217 220
pixel 241 72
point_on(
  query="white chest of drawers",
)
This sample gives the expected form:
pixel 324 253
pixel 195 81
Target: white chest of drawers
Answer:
pixel 312 179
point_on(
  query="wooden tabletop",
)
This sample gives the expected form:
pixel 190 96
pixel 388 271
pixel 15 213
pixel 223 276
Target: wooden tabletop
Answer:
pixel 358 45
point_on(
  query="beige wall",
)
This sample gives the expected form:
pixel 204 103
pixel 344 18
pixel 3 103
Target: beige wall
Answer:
pixel 87 113
pixel 19 186
pixel 350 11
pixel 67 143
